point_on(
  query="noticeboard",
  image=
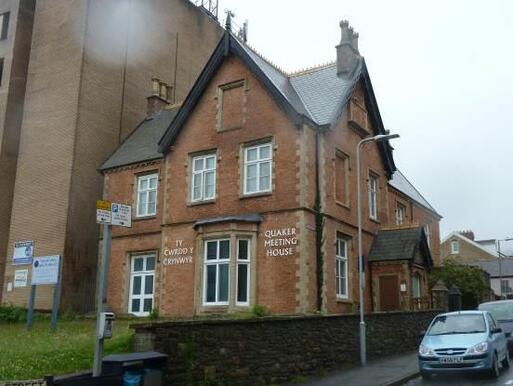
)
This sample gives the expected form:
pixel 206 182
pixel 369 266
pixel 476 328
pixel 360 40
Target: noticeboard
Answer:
pixel 45 270
pixel 23 252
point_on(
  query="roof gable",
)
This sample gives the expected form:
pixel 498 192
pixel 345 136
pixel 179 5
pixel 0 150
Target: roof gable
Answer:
pixel 401 183
pixel 316 98
pixel 468 241
pixel 400 244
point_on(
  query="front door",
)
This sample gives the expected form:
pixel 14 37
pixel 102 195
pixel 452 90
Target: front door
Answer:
pixel 389 293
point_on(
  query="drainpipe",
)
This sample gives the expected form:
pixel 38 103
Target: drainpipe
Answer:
pixel 318 225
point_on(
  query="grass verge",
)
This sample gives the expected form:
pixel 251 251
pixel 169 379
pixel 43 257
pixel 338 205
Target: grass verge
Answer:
pixel 33 354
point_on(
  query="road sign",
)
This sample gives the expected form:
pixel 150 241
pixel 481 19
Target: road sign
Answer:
pixel 20 278
pixel 45 270
pixel 23 252
pixel 103 212
pixel 121 215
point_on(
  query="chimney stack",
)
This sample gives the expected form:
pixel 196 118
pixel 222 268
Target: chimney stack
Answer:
pixel 469 234
pixel 159 97
pixel 347 50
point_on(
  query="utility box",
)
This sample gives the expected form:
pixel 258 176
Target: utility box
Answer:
pixel 105 325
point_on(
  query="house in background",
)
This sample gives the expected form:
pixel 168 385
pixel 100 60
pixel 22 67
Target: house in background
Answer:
pixel 461 247
pixel 501 275
pixel 494 246
pixel 244 195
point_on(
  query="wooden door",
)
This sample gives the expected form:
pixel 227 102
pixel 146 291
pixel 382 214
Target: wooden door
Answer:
pixel 389 293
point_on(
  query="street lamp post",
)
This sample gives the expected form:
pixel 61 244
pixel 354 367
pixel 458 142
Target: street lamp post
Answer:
pixel 363 343
pixel 500 261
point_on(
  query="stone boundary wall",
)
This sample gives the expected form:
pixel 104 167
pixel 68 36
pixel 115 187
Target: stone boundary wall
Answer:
pixel 275 349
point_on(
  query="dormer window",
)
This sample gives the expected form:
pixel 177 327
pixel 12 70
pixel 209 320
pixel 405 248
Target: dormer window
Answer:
pixel 455 247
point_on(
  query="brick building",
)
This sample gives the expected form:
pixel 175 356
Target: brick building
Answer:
pixel 67 108
pixel 244 194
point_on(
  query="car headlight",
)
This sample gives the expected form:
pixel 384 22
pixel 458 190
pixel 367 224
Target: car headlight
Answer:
pixel 426 351
pixel 478 348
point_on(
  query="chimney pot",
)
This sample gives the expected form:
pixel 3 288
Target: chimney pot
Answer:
pixel 155 87
pixel 163 90
pixel 159 96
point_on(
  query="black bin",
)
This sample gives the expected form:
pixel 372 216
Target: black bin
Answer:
pixel 149 365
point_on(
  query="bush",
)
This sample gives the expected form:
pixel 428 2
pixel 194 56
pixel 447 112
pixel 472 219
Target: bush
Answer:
pixel 12 314
pixel 154 314
pixel 260 311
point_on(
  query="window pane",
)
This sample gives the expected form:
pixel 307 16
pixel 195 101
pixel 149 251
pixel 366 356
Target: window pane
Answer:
pixel 264 183
pixel 196 183
pixel 251 185
pixel 223 282
pixel 136 288
pixel 150 263
pixel 343 277
pixel 251 154
pixel 153 182
pixel 242 283
pixel 148 303
pixel 211 162
pixel 243 250
pixel 152 208
pixel 152 195
pixel 337 268
pixel 136 304
pixel 198 164
pixel 148 285
pixel 211 250
pixel 138 264
pixel 337 281
pixel 209 184
pixel 252 171
pixel 211 283
pixel 143 185
pixel 265 152
pixel 224 249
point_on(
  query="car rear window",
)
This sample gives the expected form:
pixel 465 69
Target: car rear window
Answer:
pixel 458 324
pixel 500 311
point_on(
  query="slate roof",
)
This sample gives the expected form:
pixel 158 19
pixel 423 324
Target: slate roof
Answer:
pixel 141 145
pixel 244 217
pixel 401 183
pixel 316 97
pixel 399 244
pixel 492 267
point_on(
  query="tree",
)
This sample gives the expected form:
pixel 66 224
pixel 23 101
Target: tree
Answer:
pixel 470 280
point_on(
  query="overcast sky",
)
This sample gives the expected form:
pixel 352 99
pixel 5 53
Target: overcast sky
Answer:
pixel 442 72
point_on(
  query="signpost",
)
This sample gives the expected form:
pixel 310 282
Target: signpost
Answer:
pixel 108 214
pixel 23 251
pixel 45 270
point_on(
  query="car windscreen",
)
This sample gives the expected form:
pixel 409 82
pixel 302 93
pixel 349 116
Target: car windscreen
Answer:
pixel 500 311
pixel 458 324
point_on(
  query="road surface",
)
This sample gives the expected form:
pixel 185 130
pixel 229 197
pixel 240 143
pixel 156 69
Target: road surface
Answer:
pixel 505 379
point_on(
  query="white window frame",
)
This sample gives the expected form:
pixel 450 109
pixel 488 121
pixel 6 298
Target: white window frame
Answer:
pixel 427 231
pixel 202 173
pixel 146 192
pixel 216 262
pixel 416 286
pixel 258 162
pixel 455 247
pixel 143 274
pixel 399 214
pixel 246 262
pixel 339 259
pixel 373 196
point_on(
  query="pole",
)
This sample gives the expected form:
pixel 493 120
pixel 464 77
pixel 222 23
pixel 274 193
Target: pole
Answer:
pixel 500 267
pixel 32 300
pixel 363 343
pixel 101 298
pixel 56 298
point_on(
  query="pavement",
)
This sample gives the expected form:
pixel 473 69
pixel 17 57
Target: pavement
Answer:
pixel 392 371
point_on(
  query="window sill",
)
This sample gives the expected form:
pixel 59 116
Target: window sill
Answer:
pixel 203 202
pixel 254 195
pixel 346 300
pixel 346 206
pixel 375 220
pixel 143 218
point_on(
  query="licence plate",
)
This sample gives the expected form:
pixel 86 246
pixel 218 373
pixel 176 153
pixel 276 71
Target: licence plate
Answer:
pixel 451 360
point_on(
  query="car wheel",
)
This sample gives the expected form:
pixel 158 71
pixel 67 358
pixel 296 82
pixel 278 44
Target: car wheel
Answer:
pixel 495 371
pixel 506 360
